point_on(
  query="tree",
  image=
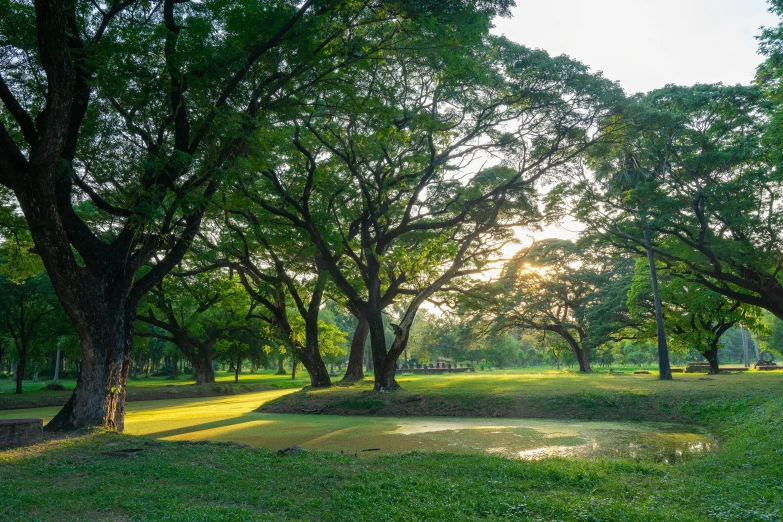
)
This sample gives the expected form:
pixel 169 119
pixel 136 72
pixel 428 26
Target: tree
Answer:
pixel 696 316
pixel 27 301
pixel 569 288
pixel 120 120
pixel 379 176
pixel 277 261
pixel 692 166
pixel 195 313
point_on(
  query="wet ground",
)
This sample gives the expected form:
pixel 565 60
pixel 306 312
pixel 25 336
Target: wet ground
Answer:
pixel 232 419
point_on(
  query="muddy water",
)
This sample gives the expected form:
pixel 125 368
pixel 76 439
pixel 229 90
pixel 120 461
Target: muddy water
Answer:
pixel 232 419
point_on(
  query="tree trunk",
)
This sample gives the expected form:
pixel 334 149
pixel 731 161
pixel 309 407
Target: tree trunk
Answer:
pixel 384 372
pixel 57 363
pixel 745 351
pixel 200 356
pixel 311 357
pixel 664 368
pixel 205 374
pixel 294 362
pixel 584 360
pixel 20 374
pixel 355 370
pixel 712 357
pixel 582 354
pixel 280 366
pixel 99 397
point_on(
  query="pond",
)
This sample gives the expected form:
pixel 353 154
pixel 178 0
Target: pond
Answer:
pixel 233 419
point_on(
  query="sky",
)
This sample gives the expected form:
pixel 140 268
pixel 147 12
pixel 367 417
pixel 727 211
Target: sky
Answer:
pixel 644 44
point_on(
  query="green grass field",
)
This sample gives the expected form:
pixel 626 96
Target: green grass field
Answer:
pixel 71 479
pixel 152 388
pixel 548 394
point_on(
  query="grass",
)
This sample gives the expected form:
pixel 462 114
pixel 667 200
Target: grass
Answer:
pixel 549 394
pixel 152 388
pixel 71 478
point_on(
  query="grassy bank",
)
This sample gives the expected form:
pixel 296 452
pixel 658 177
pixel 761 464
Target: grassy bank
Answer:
pixel 152 388
pixel 72 478
pixel 184 481
pixel 553 394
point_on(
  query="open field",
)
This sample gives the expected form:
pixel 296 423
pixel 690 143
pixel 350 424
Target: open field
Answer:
pixel 743 480
pixel 152 388
pixel 549 394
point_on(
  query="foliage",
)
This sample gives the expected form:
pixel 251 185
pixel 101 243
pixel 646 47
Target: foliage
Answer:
pixel 691 166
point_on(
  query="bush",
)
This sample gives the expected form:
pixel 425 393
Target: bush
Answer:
pixel 54 386
pixel 165 370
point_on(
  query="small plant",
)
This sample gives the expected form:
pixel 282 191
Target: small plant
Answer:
pixel 53 386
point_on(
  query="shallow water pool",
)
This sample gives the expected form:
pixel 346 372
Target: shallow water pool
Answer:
pixel 233 419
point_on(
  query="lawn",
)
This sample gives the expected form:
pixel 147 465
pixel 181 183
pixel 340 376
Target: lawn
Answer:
pixel 743 480
pixel 548 394
pixel 149 388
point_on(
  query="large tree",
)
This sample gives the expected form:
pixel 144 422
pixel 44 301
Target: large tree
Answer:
pixel 694 316
pixel 571 289
pixel 141 109
pixel 195 313
pixel 384 176
pixel 692 167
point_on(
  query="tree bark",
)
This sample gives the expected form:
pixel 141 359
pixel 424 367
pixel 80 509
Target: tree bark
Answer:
pixel 99 397
pixel 57 363
pixel 384 372
pixel 712 357
pixel 280 366
pixel 202 366
pixel 355 370
pixel 581 353
pixel 311 357
pixel 664 368
pixel 20 367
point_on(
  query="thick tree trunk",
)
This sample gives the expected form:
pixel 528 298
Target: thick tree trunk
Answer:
pixel 582 354
pixel 200 357
pixel 355 370
pixel 311 357
pixel 280 366
pixel 384 370
pixel 712 357
pixel 99 397
pixel 205 374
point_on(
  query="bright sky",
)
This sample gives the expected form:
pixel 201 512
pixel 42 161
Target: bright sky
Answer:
pixel 645 44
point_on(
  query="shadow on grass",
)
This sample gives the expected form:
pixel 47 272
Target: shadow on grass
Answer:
pixel 233 421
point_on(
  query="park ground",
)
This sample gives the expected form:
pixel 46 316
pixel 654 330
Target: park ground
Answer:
pixel 71 478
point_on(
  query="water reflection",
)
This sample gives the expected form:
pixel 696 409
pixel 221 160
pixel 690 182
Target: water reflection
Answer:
pixel 655 448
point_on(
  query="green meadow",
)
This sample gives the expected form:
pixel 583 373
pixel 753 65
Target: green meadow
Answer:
pixel 196 463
